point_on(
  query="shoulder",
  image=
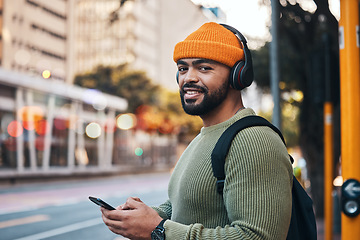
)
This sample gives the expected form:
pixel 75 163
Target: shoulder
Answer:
pixel 260 137
pixel 259 147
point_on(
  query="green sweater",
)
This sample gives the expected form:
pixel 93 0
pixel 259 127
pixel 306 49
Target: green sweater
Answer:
pixel 256 203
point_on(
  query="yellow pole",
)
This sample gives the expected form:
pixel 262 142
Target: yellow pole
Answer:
pixel 328 170
pixel 350 104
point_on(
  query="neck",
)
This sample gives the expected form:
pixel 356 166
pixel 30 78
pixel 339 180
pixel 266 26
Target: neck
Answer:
pixel 227 109
pixel 221 114
pixel 242 108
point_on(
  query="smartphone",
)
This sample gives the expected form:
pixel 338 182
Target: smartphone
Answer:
pixel 101 203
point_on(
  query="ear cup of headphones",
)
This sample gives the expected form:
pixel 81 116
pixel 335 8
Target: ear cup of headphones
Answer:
pixel 177 77
pixel 241 76
pixel 235 75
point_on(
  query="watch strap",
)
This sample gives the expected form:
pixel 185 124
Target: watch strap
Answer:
pixel 159 232
pixel 161 224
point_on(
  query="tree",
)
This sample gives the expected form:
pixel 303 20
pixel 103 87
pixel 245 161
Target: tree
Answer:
pixel 132 85
pixel 157 109
pixel 302 36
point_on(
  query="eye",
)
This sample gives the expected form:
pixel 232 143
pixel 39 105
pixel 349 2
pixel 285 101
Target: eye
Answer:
pixel 182 69
pixel 205 68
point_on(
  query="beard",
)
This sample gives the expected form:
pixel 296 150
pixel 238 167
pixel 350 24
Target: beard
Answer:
pixel 209 102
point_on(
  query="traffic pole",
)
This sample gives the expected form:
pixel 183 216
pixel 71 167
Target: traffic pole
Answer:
pixel 328 142
pixel 328 170
pixel 350 115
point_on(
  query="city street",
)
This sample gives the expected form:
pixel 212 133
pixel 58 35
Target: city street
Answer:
pixel 61 210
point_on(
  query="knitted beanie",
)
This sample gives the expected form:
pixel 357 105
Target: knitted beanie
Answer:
pixel 211 41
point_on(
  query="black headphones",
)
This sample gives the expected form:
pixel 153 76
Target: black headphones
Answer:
pixel 242 74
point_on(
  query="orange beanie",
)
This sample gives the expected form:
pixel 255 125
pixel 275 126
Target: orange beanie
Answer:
pixel 211 41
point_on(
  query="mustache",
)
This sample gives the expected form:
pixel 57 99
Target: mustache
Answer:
pixel 192 85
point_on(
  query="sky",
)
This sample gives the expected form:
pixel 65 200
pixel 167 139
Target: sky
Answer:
pixel 251 19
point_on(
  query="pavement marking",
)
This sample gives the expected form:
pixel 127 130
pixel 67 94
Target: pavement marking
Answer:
pixel 25 220
pixel 62 230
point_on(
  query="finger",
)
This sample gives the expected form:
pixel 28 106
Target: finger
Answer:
pixel 136 199
pixel 112 214
pixel 132 203
pixel 114 226
pixel 120 207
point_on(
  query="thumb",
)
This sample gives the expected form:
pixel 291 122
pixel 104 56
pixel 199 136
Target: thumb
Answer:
pixel 132 203
pixel 136 199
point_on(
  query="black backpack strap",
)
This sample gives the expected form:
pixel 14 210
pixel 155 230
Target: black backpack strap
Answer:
pixel 222 146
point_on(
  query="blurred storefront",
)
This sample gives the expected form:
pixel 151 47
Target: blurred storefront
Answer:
pixel 49 128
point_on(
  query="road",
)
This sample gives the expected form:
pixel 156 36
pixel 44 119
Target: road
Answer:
pixel 61 210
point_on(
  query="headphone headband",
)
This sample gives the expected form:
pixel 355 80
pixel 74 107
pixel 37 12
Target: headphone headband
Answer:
pixel 236 32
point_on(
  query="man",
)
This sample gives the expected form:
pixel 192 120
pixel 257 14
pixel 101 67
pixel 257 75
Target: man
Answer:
pixel 256 202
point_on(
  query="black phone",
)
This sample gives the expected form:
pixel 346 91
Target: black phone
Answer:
pixel 101 203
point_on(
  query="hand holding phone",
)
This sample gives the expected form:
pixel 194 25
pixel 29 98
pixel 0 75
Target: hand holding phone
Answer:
pixel 101 203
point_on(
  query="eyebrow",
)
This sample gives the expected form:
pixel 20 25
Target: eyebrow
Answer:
pixel 196 62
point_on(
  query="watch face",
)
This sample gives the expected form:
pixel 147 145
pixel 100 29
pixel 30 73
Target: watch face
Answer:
pixel 157 234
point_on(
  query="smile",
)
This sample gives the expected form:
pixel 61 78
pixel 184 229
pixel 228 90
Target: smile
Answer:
pixel 192 92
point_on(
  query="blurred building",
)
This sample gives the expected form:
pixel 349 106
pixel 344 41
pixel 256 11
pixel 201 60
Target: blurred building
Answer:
pixel 34 37
pixel 142 33
pixel 50 127
pixel 64 37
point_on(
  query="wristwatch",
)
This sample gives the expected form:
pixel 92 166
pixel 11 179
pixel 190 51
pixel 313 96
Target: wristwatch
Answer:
pixel 159 231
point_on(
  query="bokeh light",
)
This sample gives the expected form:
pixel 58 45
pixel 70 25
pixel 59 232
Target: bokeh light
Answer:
pixel 61 124
pixel 139 151
pixel 46 74
pixel 126 121
pixel 30 115
pixel 93 130
pixel 15 129
pixel 42 127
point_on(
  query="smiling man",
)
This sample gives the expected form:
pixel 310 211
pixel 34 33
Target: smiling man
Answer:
pixel 214 65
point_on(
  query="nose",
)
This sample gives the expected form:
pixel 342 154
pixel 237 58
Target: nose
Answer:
pixel 191 76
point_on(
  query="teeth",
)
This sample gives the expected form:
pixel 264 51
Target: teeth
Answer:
pixel 191 92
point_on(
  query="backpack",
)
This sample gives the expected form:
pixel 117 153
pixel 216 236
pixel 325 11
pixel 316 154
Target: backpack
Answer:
pixel 302 223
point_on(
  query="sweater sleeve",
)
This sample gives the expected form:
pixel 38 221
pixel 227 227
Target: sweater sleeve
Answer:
pixel 164 210
pixel 258 185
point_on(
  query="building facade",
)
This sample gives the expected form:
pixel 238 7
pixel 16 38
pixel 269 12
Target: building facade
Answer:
pixel 34 37
pixel 61 38
pixel 141 33
pixel 50 128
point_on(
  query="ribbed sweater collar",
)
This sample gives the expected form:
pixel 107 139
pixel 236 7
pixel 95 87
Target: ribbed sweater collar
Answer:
pixel 243 113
